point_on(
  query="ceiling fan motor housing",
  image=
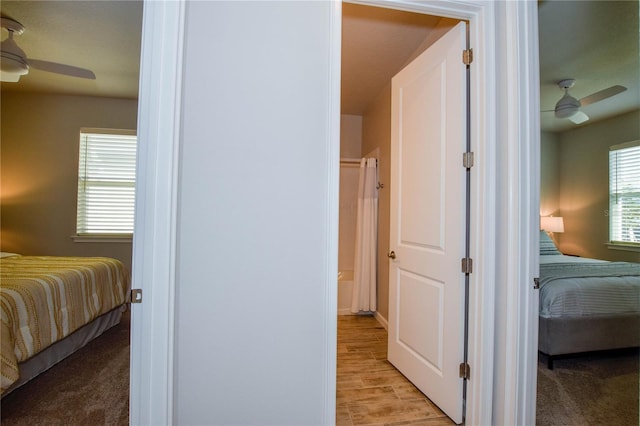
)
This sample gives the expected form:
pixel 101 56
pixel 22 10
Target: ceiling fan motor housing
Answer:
pixel 567 106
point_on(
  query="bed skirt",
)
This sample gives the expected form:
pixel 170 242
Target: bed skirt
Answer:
pixel 65 347
pixel 561 336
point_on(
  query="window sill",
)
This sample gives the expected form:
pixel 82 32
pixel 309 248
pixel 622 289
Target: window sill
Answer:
pixel 624 247
pixel 102 238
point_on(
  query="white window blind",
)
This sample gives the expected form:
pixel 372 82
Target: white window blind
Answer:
pixel 624 193
pixel 106 182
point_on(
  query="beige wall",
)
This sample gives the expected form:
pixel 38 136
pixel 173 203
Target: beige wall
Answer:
pixel 39 170
pixel 376 134
pixel 549 174
pixel 350 136
pixel 584 179
pixel 350 146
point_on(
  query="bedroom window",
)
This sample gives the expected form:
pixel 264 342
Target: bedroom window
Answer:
pixel 106 183
pixel 624 194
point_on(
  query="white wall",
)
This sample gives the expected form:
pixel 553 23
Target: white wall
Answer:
pixel 268 364
pixel 253 228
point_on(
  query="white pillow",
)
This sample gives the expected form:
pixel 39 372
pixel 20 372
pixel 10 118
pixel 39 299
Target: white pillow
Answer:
pixel 5 254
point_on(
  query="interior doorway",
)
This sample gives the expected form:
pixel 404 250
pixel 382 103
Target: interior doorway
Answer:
pixel 376 44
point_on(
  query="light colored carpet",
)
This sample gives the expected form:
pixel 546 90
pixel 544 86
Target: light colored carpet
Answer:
pixel 593 389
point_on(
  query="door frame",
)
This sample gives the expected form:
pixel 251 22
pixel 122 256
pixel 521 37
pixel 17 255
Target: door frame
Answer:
pixel 483 106
pixel 505 128
pixel 154 241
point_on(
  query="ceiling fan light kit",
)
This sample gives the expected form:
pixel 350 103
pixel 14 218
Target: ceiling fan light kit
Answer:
pixel 12 68
pixel 567 106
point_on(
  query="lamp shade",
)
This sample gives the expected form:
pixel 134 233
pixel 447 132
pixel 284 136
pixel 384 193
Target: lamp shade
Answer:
pixel 552 224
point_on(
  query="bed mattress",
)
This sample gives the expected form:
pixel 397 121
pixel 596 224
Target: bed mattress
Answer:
pixel 573 287
pixel 45 299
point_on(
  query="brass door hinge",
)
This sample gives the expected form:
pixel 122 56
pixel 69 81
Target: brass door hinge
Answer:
pixel 136 295
pixel 467 56
pixel 536 283
pixel 465 371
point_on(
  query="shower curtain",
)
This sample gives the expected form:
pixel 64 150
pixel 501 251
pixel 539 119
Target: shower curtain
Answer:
pixel 366 244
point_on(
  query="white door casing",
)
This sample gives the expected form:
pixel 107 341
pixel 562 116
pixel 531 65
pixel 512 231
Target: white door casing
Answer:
pixel 427 231
pixel 154 242
pixel 497 75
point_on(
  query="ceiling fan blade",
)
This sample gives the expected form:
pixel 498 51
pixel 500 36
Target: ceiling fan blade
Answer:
pixel 602 94
pixel 69 70
pixel 579 117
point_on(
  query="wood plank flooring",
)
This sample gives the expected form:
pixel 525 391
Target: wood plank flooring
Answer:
pixel 370 391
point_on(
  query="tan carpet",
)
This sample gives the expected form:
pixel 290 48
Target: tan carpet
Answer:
pixel 594 389
pixel 90 387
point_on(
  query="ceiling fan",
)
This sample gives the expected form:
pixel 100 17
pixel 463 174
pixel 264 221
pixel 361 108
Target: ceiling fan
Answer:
pixel 14 62
pixel 569 107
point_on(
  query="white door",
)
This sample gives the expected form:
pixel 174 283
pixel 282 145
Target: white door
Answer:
pixel 427 236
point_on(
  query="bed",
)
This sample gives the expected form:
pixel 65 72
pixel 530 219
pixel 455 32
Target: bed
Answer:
pixel 586 304
pixel 53 306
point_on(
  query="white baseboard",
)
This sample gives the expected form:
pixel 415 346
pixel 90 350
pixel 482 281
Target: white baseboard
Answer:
pixel 382 320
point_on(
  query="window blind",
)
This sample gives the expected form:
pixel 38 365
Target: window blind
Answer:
pixel 106 182
pixel 624 193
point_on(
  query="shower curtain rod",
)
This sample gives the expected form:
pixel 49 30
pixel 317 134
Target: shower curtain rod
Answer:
pixel 357 161
pixel 352 160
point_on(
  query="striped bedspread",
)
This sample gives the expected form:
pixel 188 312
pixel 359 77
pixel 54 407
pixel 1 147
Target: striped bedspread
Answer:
pixel 571 286
pixel 44 299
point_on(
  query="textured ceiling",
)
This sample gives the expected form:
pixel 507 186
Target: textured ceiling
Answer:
pixel 103 36
pixel 376 44
pixel 595 42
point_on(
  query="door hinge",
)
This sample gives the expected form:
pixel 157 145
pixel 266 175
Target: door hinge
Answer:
pixel 467 160
pixel 136 295
pixel 467 56
pixel 536 283
pixel 467 265
pixel 465 371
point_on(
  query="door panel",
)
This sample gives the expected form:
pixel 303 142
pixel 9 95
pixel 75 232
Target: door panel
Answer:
pixel 427 233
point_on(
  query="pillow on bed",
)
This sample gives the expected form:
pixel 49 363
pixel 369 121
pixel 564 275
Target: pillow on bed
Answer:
pixel 547 246
pixel 5 254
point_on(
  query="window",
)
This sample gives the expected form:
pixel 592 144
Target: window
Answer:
pixel 106 182
pixel 624 194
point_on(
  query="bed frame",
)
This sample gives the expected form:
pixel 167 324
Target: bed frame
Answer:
pixel 563 336
pixel 65 347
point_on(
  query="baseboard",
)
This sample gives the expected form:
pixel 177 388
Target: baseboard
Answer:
pixel 382 320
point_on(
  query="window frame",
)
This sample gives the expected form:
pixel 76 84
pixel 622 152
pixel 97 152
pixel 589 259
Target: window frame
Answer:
pixel 93 237
pixel 621 244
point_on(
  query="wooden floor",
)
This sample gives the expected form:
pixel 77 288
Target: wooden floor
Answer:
pixel 370 391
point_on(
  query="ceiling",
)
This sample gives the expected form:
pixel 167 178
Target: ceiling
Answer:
pixel 376 44
pixel 595 42
pixel 102 36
